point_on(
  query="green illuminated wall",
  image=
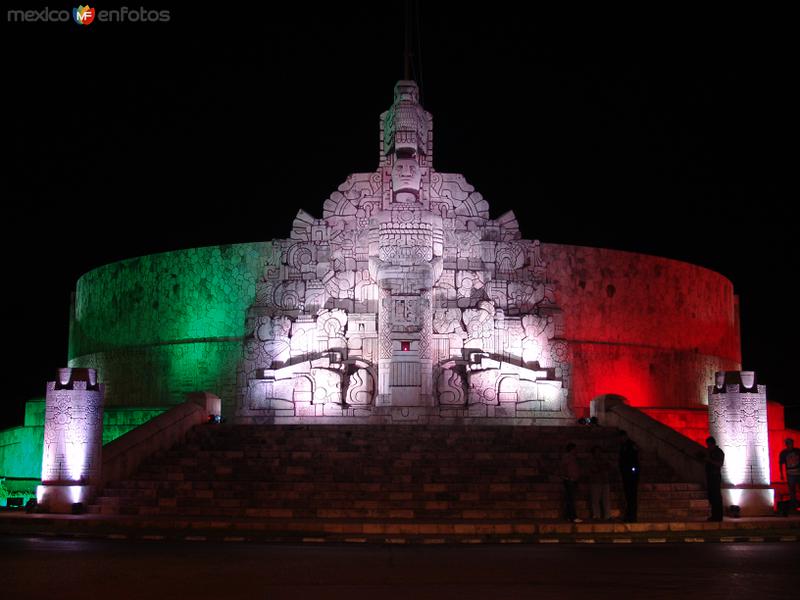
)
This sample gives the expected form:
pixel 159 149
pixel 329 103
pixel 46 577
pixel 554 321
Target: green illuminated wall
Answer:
pixel 21 452
pixel 159 326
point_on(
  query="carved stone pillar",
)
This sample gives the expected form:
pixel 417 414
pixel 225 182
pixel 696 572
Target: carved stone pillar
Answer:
pixel 384 345
pixel 73 440
pixel 425 341
pixel 737 419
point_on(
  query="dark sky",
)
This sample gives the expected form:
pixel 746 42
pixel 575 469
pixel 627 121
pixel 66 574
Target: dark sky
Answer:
pixel 656 135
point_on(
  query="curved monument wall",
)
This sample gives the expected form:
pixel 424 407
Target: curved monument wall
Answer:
pixel 158 326
pixel 648 328
pixel 651 329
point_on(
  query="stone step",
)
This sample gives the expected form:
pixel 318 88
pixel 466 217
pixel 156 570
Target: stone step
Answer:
pixel 388 480
pixel 376 465
pixel 665 514
pixel 387 512
pixel 407 449
pixel 456 463
pixel 495 489
pixel 695 509
pixel 464 460
pixel 382 498
pixel 383 513
pixel 656 507
pixel 476 431
pixel 541 493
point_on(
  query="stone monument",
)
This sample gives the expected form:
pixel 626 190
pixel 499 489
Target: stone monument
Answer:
pixel 405 302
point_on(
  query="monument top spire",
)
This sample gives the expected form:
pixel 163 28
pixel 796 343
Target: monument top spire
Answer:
pixel 406 127
pixel 412 46
pixel 407 43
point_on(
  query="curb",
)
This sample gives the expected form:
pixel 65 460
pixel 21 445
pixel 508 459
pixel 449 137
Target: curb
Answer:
pixel 754 537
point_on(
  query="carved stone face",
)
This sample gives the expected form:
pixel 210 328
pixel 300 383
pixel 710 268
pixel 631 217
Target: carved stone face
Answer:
pixel 406 175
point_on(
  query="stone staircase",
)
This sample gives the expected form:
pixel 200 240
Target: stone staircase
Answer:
pixel 328 474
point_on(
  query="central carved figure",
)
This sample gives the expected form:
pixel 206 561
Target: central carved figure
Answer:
pixel 404 302
pixel 406 180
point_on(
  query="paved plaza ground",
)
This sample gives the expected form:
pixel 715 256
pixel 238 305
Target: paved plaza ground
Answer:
pixel 86 569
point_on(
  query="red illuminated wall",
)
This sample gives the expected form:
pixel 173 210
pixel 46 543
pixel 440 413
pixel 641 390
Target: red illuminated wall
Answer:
pixel 651 329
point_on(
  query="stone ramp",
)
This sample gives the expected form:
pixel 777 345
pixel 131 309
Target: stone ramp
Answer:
pixel 389 474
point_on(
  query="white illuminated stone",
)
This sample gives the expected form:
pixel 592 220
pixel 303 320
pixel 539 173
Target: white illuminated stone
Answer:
pixel 737 418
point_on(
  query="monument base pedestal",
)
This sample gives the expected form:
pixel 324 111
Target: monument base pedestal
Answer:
pixel 753 501
pixel 60 498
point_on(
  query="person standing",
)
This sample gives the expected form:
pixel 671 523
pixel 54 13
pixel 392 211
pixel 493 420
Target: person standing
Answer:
pixel 715 458
pixel 570 474
pixel 789 464
pixel 629 470
pixel 599 473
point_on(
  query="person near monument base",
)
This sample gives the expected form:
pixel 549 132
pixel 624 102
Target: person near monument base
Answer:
pixel 789 464
pixel 714 458
pixel 629 470
pixel 570 474
pixel 598 471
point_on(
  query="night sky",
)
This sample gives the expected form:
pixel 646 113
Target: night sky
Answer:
pixel 656 137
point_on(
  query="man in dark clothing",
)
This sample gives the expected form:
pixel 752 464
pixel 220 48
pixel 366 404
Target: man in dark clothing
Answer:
pixel 570 473
pixel 599 471
pixel 715 458
pixel 629 469
pixel 789 461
